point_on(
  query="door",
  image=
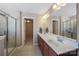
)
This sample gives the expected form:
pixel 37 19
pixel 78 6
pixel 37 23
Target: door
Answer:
pixel 29 31
pixel 11 35
pixel 55 27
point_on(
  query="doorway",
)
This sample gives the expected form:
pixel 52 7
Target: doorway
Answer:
pixel 28 31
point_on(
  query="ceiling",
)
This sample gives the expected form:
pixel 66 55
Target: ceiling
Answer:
pixel 36 8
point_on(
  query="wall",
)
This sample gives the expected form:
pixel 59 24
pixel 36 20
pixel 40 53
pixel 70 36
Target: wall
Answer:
pixel 45 20
pixel 78 24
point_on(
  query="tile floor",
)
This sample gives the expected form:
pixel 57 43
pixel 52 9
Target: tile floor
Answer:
pixel 27 50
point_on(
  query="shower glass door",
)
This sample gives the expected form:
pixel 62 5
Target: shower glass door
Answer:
pixel 3 32
pixel 11 34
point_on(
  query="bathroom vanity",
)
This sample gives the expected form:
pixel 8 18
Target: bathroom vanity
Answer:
pixel 50 45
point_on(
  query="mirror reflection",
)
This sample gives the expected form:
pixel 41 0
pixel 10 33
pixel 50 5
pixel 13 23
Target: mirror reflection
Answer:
pixel 64 21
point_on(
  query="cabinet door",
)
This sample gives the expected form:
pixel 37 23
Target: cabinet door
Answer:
pixel 38 40
pixel 41 44
pixel 46 49
pixel 51 52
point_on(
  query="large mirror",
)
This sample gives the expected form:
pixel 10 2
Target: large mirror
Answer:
pixel 64 21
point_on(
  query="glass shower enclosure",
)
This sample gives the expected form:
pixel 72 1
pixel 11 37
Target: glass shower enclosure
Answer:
pixel 8 28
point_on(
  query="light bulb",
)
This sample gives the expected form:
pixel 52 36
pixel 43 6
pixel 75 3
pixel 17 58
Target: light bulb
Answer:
pixel 54 6
pixel 63 4
pixel 58 3
pixel 27 21
pixel 46 16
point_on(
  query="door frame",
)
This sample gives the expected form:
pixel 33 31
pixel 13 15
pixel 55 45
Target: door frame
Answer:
pixel 23 29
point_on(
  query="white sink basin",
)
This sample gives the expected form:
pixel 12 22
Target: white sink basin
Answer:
pixel 53 43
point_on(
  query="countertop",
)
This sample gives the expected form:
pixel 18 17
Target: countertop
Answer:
pixel 58 47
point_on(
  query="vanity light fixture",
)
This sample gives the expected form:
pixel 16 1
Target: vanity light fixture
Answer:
pixel 54 6
pixel 46 16
pixel 61 4
pixel 58 6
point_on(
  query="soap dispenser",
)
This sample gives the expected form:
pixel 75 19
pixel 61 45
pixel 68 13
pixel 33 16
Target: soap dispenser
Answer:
pixel 40 30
